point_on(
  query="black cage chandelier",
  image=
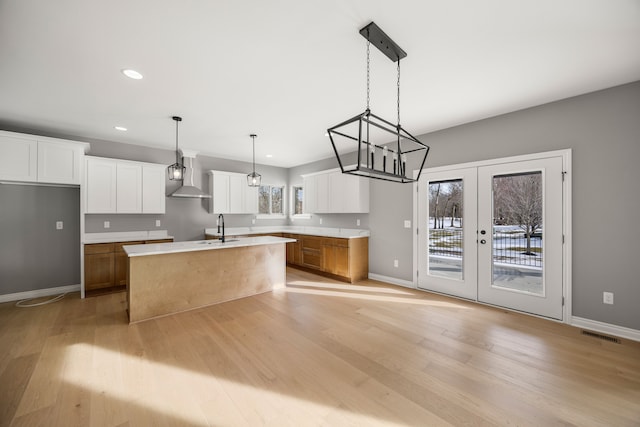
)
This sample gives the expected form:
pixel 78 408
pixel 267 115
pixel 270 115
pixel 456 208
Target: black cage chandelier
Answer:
pixel 387 158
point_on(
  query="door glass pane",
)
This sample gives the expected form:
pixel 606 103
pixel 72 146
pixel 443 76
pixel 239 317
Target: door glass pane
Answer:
pixel 446 229
pixel 517 232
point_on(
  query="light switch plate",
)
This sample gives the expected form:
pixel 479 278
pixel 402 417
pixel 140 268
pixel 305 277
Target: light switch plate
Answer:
pixel 358 222
pixel 407 223
pixel 59 225
pixel 320 221
pixel 607 297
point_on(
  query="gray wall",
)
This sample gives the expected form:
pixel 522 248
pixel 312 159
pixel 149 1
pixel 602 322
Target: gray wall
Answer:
pixel 33 254
pixel 603 129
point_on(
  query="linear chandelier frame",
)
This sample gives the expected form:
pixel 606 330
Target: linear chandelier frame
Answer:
pixel 387 159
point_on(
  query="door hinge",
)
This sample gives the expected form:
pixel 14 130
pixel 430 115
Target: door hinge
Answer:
pixel 417 273
pixel 417 231
pixel 563 301
pixel 563 239
pixel 563 174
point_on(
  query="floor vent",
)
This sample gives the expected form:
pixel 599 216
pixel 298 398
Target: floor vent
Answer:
pixel 601 337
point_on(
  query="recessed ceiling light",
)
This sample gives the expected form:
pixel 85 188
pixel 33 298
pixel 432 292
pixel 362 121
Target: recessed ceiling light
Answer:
pixel 132 74
pixel 269 155
pixel 326 134
pixel 120 128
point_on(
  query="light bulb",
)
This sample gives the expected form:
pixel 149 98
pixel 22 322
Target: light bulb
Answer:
pixel 176 173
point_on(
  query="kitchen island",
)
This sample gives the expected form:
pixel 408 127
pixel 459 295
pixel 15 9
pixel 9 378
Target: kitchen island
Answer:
pixel 169 278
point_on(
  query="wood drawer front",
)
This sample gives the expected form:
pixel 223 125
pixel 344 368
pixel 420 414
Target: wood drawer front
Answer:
pixel 335 241
pixel 312 259
pixel 312 243
pixel 98 248
pixel 121 244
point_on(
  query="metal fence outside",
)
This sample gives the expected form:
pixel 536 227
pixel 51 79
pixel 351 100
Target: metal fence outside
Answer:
pixel 509 246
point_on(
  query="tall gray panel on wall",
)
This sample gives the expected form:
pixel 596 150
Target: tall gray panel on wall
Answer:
pixel 33 253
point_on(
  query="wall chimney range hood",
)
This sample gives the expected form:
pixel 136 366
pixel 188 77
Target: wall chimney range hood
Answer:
pixel 189 190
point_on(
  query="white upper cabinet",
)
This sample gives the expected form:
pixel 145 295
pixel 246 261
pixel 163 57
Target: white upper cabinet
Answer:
pixel 335 192
pixel 59 162
pixel 128 187
pixel 153 188
pixel 19 159
pixel 123 186
pixel 101 185
pixel 231 194
pixel 29 158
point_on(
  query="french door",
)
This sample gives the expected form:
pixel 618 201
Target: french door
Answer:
pixel 494 234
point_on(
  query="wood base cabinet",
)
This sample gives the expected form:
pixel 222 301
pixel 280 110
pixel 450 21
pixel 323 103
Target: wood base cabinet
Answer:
pixel 105 266
pixel 342 259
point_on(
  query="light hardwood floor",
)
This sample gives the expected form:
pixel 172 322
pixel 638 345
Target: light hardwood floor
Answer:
pixel 319 352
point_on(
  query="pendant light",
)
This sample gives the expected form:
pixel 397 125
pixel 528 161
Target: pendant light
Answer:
pixel 253 179
pixel 176 170
pixel 364 129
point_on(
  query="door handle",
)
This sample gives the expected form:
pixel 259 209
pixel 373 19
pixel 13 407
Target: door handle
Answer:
pixel 483 241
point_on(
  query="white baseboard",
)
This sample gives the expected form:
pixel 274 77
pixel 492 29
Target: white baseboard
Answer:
pixel 38 293
pixel 392 280
pixel 606 328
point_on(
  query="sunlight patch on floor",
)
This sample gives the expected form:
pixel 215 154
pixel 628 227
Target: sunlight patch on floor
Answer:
pixel 350 287
pixel 150 389
pixel 381 298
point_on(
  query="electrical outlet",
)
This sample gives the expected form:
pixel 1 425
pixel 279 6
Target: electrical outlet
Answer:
pixel 395 263
pixel 358 222
pixel 253 221
pixel 407 223
pixel 107 224
pixel 607 297
pixel 59 225
pixel 157 223
pixel 320 221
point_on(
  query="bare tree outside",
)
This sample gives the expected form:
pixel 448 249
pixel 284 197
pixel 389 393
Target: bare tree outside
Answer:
pixel 517 201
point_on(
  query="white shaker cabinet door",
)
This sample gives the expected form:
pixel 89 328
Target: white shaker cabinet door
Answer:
pixel 101 185
pixel 19 159
pixel 59 163
pixel 236 193
pixel 219 184
pixel 153 189
pixel 250 199
pixel 129 188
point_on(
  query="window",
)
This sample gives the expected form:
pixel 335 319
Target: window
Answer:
pixel 296 205
pixel 270 200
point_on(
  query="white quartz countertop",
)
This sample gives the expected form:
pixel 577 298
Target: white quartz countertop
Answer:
pixel 125 236
pixel 344 233
pixel 201 245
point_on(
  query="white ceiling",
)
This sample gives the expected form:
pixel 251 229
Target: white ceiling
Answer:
pixel 289 69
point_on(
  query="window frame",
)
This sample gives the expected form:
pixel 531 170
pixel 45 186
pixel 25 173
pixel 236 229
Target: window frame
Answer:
pixel 292 203
pixel 271 215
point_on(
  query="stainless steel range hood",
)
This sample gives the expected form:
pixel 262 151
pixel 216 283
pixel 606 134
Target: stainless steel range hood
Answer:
pixel 189 190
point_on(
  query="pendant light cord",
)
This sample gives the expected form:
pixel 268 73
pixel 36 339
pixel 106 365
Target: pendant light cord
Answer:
pixel 177 155
pixel 368 69
pixel 253 137
pixel 398 93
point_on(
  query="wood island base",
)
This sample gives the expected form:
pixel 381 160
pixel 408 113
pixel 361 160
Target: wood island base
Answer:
pixel 163 284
